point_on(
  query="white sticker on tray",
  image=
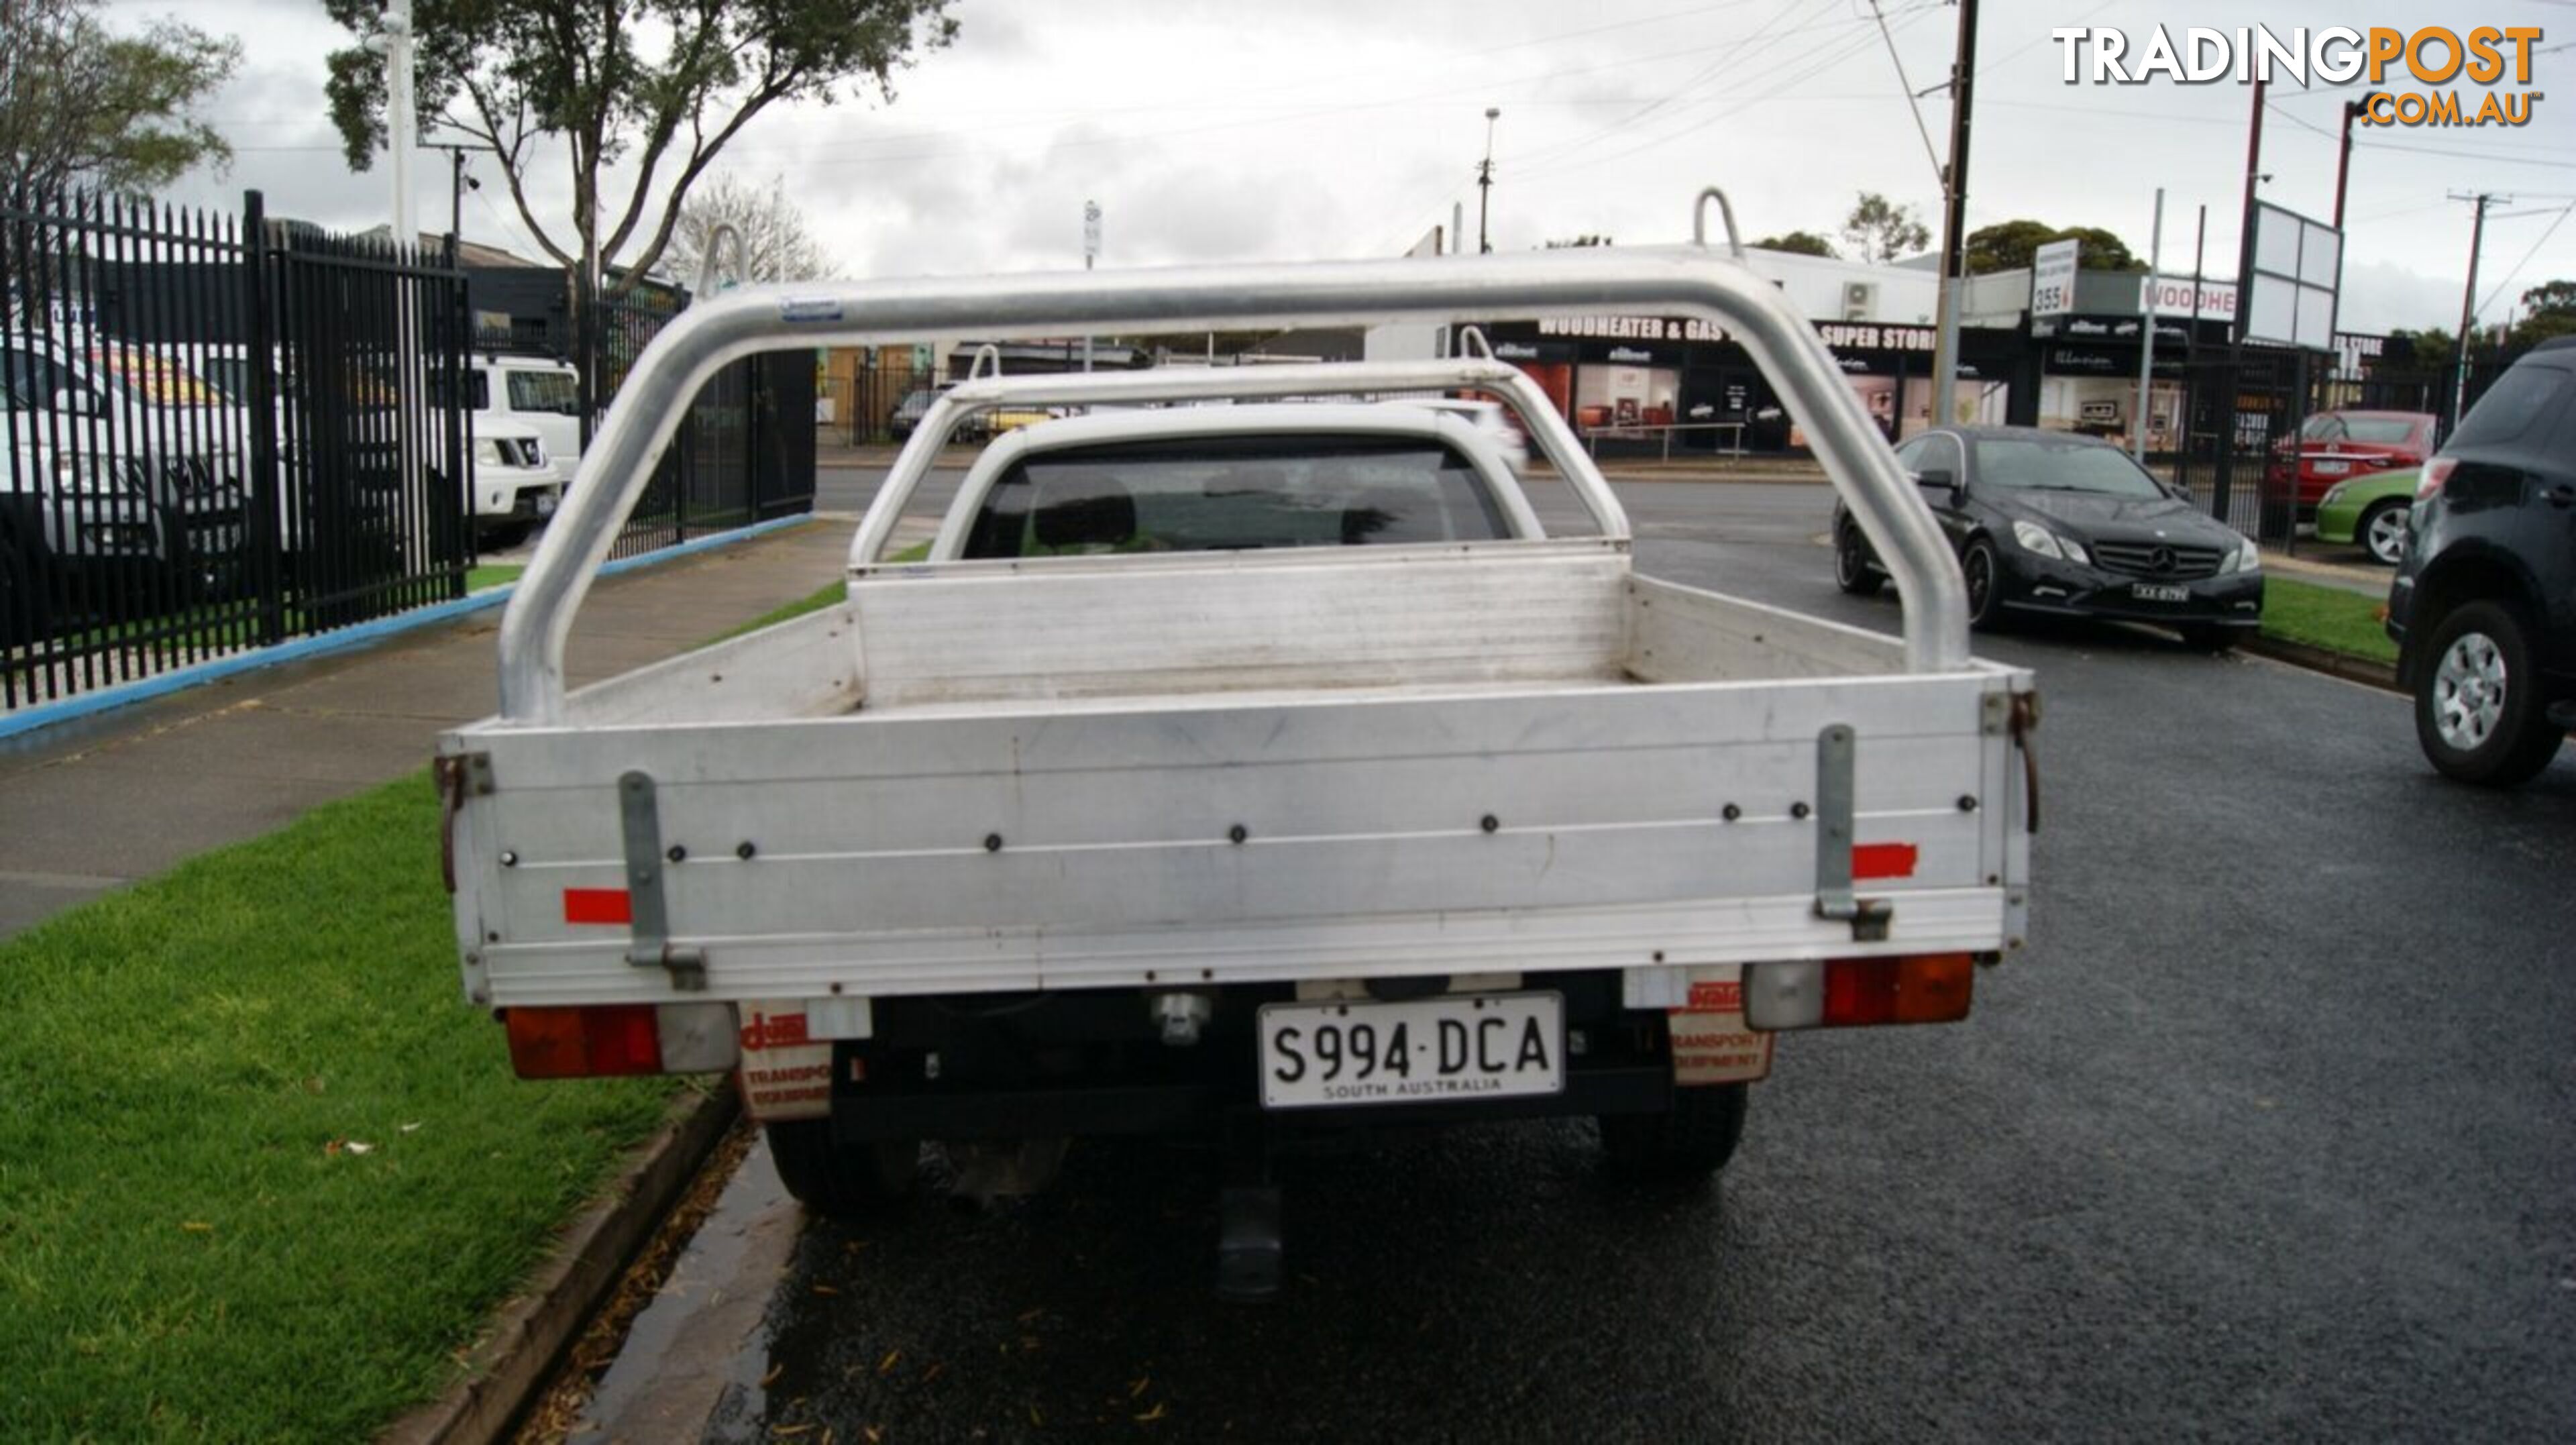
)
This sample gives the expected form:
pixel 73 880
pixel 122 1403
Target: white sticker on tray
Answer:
pixel 1711 1045
pixel 786 1072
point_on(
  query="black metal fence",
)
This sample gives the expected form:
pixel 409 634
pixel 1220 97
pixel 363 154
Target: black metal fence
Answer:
pixel 218 435
pixel 743 454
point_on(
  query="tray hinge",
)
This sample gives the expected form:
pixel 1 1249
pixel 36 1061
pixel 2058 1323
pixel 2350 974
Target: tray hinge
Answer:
pixel 1868 917
pixel 640 819
pixel 459 776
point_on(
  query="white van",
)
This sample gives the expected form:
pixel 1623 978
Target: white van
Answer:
pixel 534 391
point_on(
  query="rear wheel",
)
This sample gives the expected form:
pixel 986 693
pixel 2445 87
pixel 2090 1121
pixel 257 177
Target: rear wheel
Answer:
pixel 842 1181
pixel 2382 532
pixel 1851 567
pixel 25 609
pixel 1691 1140
pixel 2478 714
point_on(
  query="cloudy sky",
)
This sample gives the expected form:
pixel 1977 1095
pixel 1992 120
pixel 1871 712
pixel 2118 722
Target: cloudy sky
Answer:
pixel 1228 130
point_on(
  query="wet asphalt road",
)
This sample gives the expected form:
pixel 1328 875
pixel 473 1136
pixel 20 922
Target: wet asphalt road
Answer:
pixel 2270 1134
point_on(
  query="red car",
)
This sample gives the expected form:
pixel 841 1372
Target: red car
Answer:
pixel 2336 446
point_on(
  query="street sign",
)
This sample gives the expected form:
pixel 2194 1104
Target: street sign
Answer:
pixel 2052 279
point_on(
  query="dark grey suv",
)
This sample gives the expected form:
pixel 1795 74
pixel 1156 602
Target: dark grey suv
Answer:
pixel 2484 604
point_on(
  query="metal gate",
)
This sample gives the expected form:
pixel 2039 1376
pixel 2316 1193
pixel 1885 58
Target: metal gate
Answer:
pixel 744 453
pixel 217 433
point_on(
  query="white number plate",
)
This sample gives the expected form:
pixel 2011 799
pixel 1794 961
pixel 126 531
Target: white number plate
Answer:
pixel 1457 1046
pixel 2331 469
pixel 2159 592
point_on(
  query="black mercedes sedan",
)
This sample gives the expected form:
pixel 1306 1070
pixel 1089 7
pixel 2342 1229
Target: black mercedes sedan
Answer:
pixel 2050 522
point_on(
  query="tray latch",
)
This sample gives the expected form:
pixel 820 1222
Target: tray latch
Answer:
pixel 640 818
pixel 1868 917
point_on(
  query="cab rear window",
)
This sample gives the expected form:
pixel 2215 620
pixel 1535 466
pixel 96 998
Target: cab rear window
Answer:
pixel 1234 494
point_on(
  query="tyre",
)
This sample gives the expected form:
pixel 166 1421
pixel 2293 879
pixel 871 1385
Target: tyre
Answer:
pixel 2211 638
pixel 502 535
pixel 2382 532
pixel 1983 570
pixel 25 606
pixel 2477 714
pixel 1851 569
pixel 842 1181
pixel 1691 1140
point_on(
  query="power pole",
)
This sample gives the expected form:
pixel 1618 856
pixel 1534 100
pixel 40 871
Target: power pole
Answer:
pixel 2221 503
pixel 1485 184
pixel 402 116
pixel 2147 338
pixel 2469 297
pixel 1090 251
pixel 458 183
pixel 1954 222
pixel 2353 110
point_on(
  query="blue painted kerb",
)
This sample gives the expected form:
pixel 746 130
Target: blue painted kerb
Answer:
pixel 30 719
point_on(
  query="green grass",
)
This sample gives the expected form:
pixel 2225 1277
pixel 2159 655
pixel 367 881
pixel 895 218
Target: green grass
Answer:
pixel 820 598
pixel 491 574
pixel 2327 617
pixel 182 1255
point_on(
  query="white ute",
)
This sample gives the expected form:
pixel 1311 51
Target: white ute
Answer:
pixel 1242 773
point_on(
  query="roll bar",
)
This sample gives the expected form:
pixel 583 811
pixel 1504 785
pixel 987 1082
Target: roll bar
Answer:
pixel 1684 281
pixel 1546 428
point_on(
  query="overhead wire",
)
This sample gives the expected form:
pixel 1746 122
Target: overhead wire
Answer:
pixel 2509 276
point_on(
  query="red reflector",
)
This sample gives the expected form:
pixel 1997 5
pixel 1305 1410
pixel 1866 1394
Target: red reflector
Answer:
pixel 581 1043
pixel 1884 860
pixel 1932 988
pixel 1860 991
pixel 597 905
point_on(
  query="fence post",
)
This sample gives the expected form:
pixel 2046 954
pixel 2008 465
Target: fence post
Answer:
pixel 266 505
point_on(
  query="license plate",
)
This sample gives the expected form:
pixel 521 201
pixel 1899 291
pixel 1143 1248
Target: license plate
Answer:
pixel 2159 592
pixel 2330 469
pixel 545 504
pixel 1456 1047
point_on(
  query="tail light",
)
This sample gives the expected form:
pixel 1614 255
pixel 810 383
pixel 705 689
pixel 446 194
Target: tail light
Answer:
pixel 2436 472
pixel 601 1040
pixel 1930 988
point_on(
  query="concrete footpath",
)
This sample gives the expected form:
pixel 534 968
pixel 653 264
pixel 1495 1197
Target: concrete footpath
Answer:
pixel 96 804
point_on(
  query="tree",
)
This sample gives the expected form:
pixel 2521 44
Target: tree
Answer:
pixel 2005 246
pixel 1882 230
pixel 2099 250
pixel 775 244
pixel 81 105
pixel 1799 243
pixel 654 85
pixel 2549 310
pixel 2011 245
pixel 2413 352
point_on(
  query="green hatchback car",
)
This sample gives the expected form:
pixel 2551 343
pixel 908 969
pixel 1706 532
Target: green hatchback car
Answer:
pixel 2370 511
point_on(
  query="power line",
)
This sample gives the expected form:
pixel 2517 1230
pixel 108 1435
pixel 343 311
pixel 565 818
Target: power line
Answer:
pixel 2563 213
pixel 1913 100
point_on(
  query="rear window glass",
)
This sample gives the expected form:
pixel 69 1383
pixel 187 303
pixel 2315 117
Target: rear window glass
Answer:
pixel 1234 494
pixel 2505 414
pixel 551 391
pixel 2376 430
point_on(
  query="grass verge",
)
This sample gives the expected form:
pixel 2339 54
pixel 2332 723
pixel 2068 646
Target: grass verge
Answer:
pixel 819 598
pixel 263 1175
pixel 2326 617
pixel 492 574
